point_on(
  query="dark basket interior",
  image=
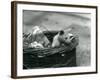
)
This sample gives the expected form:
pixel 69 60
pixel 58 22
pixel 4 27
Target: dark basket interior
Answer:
pixel 50 34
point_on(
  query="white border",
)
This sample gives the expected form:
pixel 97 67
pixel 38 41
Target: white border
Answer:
pixel 21 72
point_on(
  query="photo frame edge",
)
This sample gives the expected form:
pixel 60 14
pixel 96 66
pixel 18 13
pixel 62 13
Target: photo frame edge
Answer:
pixel 13 40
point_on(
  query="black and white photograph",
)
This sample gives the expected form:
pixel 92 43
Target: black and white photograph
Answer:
pixel 54 39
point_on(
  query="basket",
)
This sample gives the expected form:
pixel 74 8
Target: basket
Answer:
pixel 50 57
